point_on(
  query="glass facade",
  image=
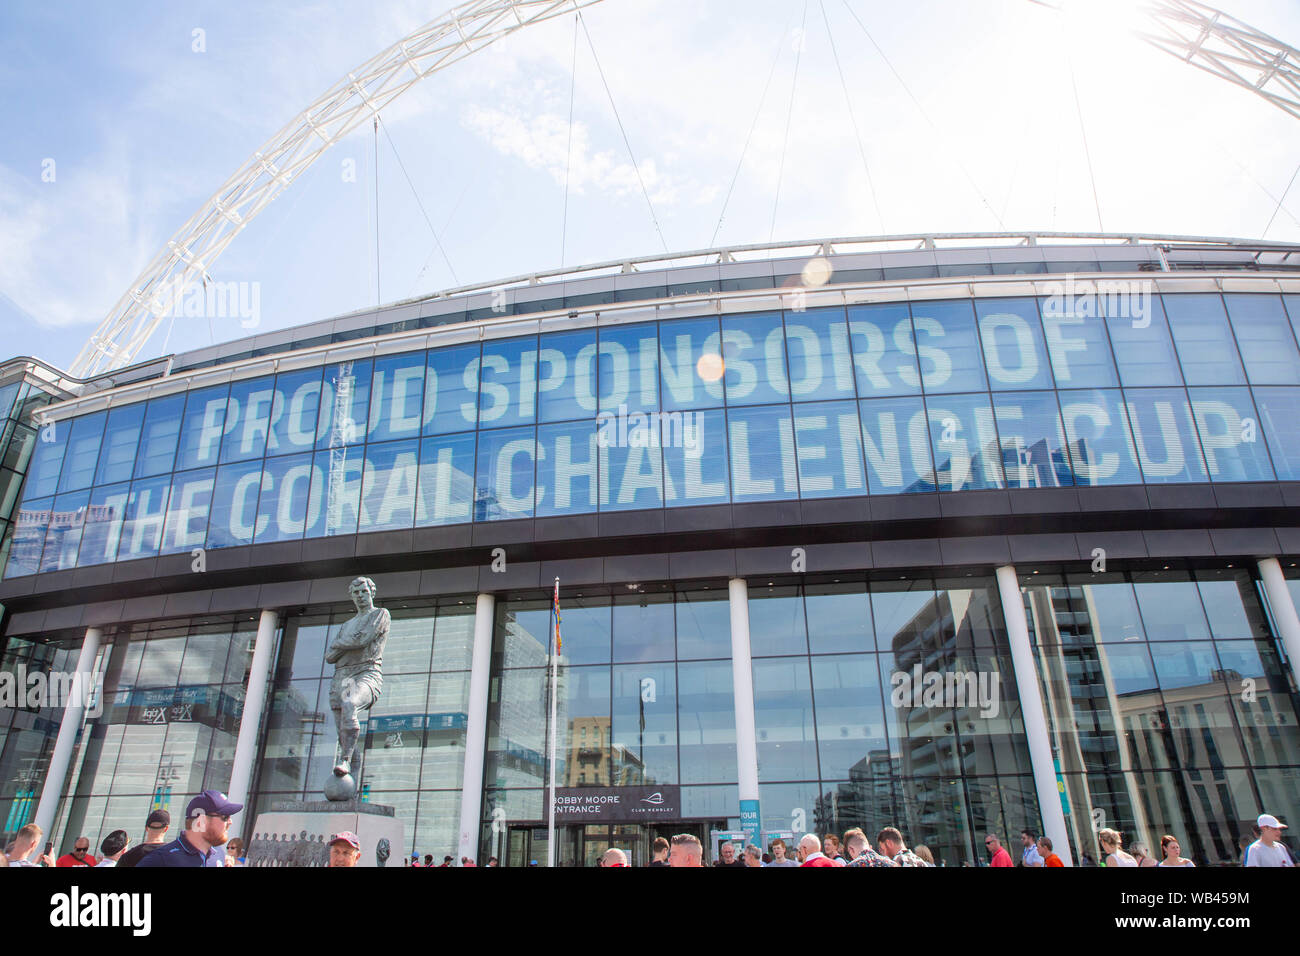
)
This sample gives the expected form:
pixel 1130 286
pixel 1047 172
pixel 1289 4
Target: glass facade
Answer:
pixel 884 399
pixel 1170 706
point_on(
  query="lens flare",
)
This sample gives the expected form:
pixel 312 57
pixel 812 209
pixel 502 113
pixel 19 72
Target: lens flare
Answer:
pixel 817 271
pixel 710 367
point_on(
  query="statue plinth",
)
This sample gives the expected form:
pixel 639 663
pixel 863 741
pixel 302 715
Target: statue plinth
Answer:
pixel 297 832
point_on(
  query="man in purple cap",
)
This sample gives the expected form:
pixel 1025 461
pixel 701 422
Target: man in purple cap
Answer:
pixel 345 849
pixel 207 826
pixel 1269 850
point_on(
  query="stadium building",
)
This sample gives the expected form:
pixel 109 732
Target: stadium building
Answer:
pixel 961 534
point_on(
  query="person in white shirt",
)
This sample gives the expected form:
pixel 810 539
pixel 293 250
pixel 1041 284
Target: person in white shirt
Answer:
pixel 1268 850
pixel 112 848
pixel 1031 856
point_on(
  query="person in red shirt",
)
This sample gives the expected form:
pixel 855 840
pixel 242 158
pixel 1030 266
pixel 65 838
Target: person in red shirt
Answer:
pixel 1045 851
pixel 80 855
pixel 1000 856
pixel 810 852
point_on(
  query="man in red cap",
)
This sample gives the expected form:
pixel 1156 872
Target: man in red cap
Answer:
pixel 345 849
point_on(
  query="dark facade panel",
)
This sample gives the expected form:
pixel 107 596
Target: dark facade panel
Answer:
pixel 702 564
pixel 766 514
pixel 564 527
pixel 572 571
pixel 1181 496
pixel 31 622
pixel 494 533
pixel 835 510
pixel 236 599
pixel 983 549
pixel 283 594
pixel 845 556
pixel 98 615
pixel 1043 547
pixel 437 581
pixel 631 523
pixel 516 576
pixel 635 567
pixel 1248 495
pixel 1175 544
pixel 384 542
pixel 1044 501
pixel 702 518
pixel 186 603
pixel 905 507
pixel 442 538
pixel 764 561
pixel 1115 498
pixel 916 552
pixel 1246 541
pixel 975 503
pixel 1116 544
pixel 144 608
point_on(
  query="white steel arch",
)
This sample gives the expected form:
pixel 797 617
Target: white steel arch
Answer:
pixel 358 96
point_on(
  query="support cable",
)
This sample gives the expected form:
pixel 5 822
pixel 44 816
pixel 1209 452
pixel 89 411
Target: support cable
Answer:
pixel 379 294
pixel 1083 130
pixel 748 136
pixel 794 83
pixel 848 104
pixel 402 166
pixel 568 155
pixel 1279 203
pixel 618 119
pixel 926 116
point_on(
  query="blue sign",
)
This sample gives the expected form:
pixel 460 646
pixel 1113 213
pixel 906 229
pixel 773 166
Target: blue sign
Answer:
pixel 749 817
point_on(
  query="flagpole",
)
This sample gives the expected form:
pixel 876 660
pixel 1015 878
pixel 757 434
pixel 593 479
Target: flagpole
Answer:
pixel 555 671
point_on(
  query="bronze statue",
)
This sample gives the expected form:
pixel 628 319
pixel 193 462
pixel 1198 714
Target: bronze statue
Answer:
pixel 357 653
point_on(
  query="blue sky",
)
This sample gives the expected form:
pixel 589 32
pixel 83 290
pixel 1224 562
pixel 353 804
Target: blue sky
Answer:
pixel 142 128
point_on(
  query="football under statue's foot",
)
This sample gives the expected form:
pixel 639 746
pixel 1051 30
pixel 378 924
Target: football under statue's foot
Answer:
pixel 342 770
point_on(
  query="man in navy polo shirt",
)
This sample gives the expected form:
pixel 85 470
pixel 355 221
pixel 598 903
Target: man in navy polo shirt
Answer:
pixel 207 822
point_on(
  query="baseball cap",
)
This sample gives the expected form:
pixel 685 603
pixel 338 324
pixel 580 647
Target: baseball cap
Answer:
pixel 1268 820
pixel 212 802
pixel 348 837
pixel 158 820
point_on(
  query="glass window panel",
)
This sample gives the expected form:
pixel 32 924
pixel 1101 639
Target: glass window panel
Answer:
pixel 1143 348
pixel 47 459
pixel 1033 443
pixel 162 425
pixel 1232 604
pixel 302 648
pixel 453 638
pixel 631 474
pixel 295 411
pixel 1100 442
pixel 339 499
pixel 234 505
pixel 850 715
pixel 1171 606
pixel 922 736
pixel 643 628
pixel 508 383
pixel 839 618
pixel 388 486
pixel 395 740
pixel 351 380
pixel 1229 431
pixel 695 458
pixel 444 747
pixel 897 446
pixel 505 475
pixel 1012 337
pixel 776 621
pixel 566 376
pixel 142 524
pixel 522 634
pixel 762 469
pixel 753 351
pixel 410 641
pixel 706 722
pixel 248 415
pixel 202 427
pixel 585 629
pixel 451 389
pixel 902 611
pixel 7 395
pixel 206 651
pixel 117 452
pixel 567 467
pixel 103 529
pixel 817 349
pixel 644 735
pixel 703 624
pixel 1164 435
pixel 947 346
pixel 583 744
pixel 828 440
pixel 690 363
pixel 1077 343
pixel 187 510
pixel 446 481
pixel 285 507
pixel 965 442
pixel 79 460
pixel 1204 339
pixel 972 613
pixel 884 356
pixel 62 538
pixel 1279 410
pixel 784 721
pixel 1267 343
pixel 1200 717
pixel 1266 712
pixel 1106 608
pixel 628 363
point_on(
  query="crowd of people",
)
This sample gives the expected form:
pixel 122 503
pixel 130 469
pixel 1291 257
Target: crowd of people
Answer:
pixel 205 842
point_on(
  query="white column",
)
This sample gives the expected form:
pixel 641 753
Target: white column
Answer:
pixel 1031 711
pixel 73 712
pixel 1283 608
pixel 241 774
pixel 742 680
pixel 471 785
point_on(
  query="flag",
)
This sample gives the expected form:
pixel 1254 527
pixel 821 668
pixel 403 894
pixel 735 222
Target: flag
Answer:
pixel 555 612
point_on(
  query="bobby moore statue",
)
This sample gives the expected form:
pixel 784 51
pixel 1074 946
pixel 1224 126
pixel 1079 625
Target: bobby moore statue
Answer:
pixel 357 654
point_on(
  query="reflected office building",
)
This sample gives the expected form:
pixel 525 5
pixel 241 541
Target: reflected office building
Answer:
pixel 973 536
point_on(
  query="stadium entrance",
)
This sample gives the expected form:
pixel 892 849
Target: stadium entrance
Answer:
pixel 582 845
